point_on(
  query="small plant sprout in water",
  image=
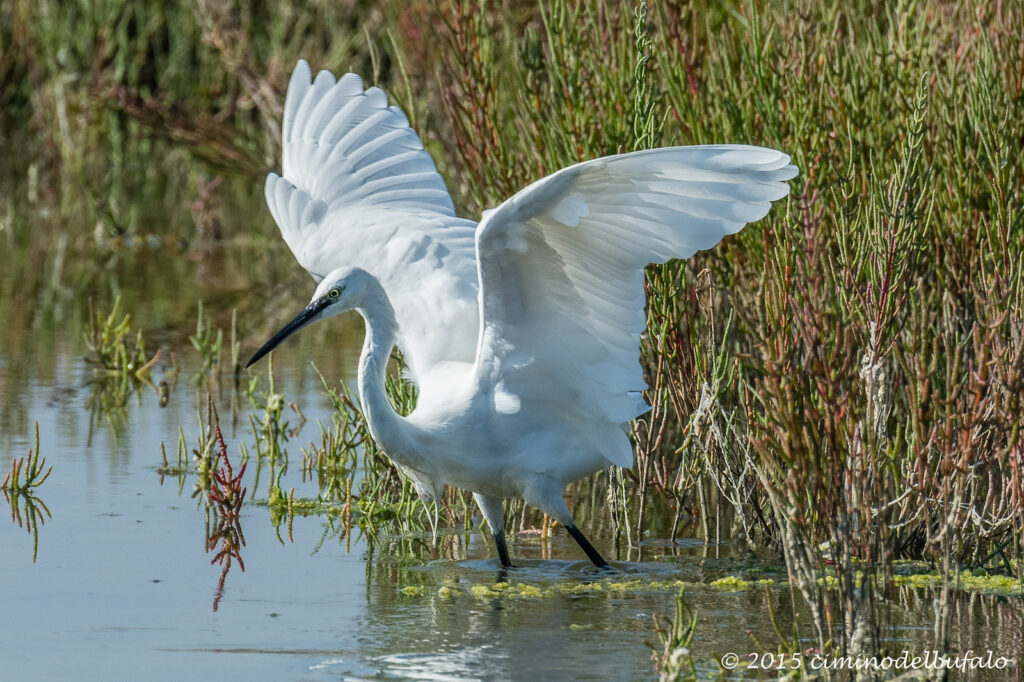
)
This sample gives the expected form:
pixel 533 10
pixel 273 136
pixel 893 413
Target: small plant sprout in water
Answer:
pixel 226 491
pixel 210 344
pixel 18 489
pixel 180 468
pixel 27 472
pixel 674 660
pixel 204 457
pixel 272 430
pixel 120 368
pixel 286 507
pixel 332 463
pixel 109 341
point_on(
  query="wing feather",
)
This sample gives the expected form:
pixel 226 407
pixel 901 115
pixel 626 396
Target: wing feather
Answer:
pixel 345 146
pixel 560 268
pixel 357 188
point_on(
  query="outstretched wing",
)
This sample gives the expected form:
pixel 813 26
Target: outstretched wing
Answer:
pixel 359 189
pixel 561 264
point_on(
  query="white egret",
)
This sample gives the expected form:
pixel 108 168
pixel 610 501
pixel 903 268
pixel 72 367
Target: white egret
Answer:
pixel 521 332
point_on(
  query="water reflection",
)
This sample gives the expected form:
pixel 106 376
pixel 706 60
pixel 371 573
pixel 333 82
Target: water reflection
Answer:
pixel 224 535
pixel 223 524
pixel 28 512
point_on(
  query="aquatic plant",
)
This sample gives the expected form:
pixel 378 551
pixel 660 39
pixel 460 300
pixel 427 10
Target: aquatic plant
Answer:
pixel 675 660
pixel 207 341
pixel 18 489
pixel 223 523
pixel 226 491
pixel 108 339
pixel 121 367
pixel 27 472
pixel 204 456
pixel 271 431
pixel 179 469
pixel 332 462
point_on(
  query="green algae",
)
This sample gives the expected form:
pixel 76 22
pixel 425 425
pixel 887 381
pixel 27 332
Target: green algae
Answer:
pixel 965 581
pixel 733 584
pixel 524 590
pixel 413 591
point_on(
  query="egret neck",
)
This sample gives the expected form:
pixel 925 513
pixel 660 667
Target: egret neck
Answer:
pixel 392 431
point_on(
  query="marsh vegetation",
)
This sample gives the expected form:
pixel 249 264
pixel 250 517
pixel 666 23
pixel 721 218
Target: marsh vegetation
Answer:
pixel 836 390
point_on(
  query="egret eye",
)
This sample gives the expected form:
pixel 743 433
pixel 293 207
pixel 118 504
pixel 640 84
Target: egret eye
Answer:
pixel 334 293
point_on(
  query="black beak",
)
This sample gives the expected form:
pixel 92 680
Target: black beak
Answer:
pixel 308 315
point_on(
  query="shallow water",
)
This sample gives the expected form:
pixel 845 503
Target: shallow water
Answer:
pixel 123 587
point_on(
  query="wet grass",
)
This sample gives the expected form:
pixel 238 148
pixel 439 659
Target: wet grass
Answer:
pixel 839 384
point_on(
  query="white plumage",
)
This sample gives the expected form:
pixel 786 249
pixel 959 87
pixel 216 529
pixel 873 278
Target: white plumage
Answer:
pixel 358 188
pixel 522 333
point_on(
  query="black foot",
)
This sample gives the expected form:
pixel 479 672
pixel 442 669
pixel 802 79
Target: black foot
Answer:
pixel 499 541
pixel 587 547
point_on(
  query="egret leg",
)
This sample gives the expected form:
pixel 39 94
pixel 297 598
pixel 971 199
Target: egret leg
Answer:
pixel 494 511
pixel 582 541
pixel 546 495
pixel 434 519
pixel 499 542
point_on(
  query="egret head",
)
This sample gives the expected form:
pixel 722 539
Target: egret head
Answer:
pixel 341 290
